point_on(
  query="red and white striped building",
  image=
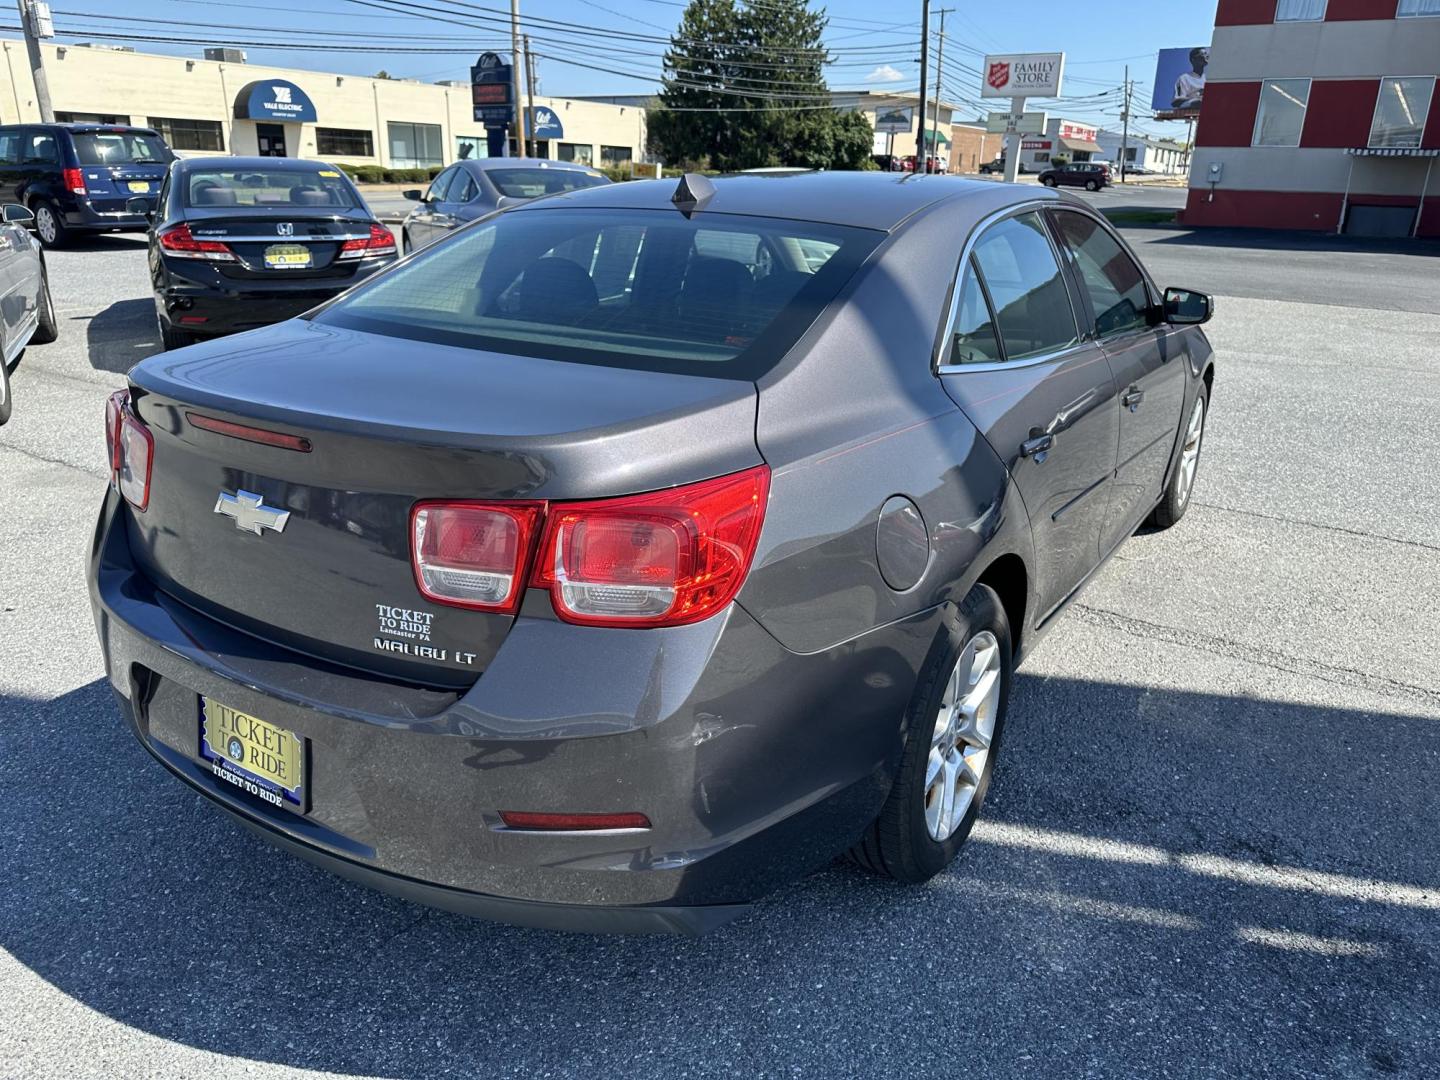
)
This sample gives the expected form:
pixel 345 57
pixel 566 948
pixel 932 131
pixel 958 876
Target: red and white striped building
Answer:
pixel 1321 114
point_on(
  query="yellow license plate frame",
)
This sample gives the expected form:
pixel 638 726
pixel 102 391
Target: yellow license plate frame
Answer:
pixel 255 753
pixel 288 257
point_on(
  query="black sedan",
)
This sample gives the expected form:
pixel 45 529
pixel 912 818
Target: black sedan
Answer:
pixel 237 243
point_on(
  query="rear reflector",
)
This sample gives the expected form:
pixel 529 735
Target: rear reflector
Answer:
pixel 136 456
pixel 516 819
pixel 660 559
pixel 473 555
pixel 248 433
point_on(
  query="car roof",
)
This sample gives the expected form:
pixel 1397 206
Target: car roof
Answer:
pixel 229 164
pixel 83 125
pixel 485 164
pixel 868 200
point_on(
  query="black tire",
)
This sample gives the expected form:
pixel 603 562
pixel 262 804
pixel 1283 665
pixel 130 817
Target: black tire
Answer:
pixel 171 338
pixel 1091 185
pixel 1048 181
pixel 898 844
pixel 50 224
pixel 49 327
pixel 4 392
pixel 1179 491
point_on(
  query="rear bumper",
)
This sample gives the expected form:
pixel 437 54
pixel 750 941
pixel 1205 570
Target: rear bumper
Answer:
pixel 753 764
pixel 83 217
pixel 230 305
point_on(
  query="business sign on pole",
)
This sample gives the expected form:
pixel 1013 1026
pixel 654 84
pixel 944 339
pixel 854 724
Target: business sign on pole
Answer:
pixel 1021 75
pixel 1179 82
pixel 891 118
pixel 996 123
pixel 492 91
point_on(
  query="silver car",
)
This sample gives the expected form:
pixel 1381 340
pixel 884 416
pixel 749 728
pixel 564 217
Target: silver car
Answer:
pixel 26 311
pixel 471 189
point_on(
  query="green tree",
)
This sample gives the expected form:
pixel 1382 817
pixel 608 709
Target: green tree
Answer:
pixel 744 88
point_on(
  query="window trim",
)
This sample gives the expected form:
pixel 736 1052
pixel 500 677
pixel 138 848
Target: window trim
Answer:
pixel 952 300
pixel 1380 94
pixel 1260 104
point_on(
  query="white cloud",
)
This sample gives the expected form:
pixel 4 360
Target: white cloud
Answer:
pixel 884 73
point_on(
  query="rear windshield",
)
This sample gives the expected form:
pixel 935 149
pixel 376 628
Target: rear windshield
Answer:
pixel 121 148
pixel 716 294
pixel 532 183
pixel 283 188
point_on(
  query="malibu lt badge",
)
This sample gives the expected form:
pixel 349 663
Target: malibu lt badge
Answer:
pixel 250 512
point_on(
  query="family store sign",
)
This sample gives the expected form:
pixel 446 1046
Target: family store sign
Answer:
pixel 1022 75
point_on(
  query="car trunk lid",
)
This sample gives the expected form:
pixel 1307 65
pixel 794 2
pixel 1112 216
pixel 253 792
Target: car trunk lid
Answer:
pixel 280 244
pixel 390 423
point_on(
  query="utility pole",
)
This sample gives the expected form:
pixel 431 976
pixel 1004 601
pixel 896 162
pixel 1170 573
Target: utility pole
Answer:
pixel 31 25
pixel 1125 128
pixel 939 80
pixel 530 99
pixel 924 71
pixel 515 69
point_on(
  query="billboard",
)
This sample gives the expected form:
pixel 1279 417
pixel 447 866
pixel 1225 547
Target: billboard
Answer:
pixel 895 118
pixel 997 122
pixel 1013 75
pixel 1180 82
pixel 1071 129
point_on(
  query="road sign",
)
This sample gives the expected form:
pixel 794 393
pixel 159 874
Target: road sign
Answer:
pixel 492 91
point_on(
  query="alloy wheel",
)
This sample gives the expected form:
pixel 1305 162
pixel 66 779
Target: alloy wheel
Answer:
pixel 962 736
pixel 1190 450
pixel 45 223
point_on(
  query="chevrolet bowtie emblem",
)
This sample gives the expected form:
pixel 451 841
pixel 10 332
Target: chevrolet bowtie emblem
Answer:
pixel 250 512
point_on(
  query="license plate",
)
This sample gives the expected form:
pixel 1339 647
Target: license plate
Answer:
pixel 141 186
pixel 287 257
pixel 252 754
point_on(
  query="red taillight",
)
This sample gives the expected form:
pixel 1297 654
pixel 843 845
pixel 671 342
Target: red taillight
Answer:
pixel 660 559
pixel 250 434
pixel 74 181
pixel 137 454
pixel 380 242
pixel 178 241
pixel 473 555
pixel 518 819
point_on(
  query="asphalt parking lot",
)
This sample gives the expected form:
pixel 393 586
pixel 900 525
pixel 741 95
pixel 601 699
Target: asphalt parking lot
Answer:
pixel 1210 849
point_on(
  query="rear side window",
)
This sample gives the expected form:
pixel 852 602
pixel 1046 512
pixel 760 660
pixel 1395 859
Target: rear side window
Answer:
pixel 972 338
pixel 1110 278
pixel 624 288
pixel 532 183
pixel 120 148
pixel 289 188
pixel 1032 306
pixel 40 148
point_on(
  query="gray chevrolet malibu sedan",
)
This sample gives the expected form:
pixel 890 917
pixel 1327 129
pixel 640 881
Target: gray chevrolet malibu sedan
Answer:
pixel 630 552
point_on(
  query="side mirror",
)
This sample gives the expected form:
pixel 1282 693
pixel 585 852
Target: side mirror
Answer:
pixel 1186 306
pixel 15 214
pixel 140 204
pixel 413 194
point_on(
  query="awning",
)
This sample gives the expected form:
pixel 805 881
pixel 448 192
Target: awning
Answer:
pixel 1394 151
pixel 931 138
pixel 1081 146
pixel 274 99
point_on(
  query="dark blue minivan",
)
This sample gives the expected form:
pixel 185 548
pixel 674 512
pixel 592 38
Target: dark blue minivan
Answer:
pixel 77 177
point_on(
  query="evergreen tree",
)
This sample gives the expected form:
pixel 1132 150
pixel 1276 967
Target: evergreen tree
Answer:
pixel 744 88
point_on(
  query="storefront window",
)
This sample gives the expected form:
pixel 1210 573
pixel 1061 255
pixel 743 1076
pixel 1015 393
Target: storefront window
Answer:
pixel 415 146
pixel 1282 112
pixel 471 147
pixel 1401 110
pixel 344 142
pixel 91 118
pixel 611 156
pixel 580 153
pixel 190 134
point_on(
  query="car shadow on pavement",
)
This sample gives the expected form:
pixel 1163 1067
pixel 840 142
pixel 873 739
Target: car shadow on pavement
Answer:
pixel 1161 881
pixel 1294 240
pixel 120 336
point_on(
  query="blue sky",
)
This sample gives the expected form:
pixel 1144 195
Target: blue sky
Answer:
pixel 876 45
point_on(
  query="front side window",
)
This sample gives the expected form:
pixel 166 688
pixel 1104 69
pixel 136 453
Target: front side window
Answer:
pixel 9 148
pixel 1282 112
pixel 1114 284
pixel 1032 306
pixel 531 183
pixel 972 337
pixel 260 188
pixel 1299 10
pixel 620 288
pixel 440 186
pixel 344 142
pixel 1401 111
pixel 186 134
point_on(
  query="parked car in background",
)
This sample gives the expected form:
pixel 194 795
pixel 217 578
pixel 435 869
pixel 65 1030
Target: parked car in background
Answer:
pixel 78 178
pixel 993 167
pixel 237 243
pixel 27 312
pixel 554 576
pixel 1091 175
pixel 473 188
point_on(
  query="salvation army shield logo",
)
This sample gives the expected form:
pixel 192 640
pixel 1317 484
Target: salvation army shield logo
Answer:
pixel 999 75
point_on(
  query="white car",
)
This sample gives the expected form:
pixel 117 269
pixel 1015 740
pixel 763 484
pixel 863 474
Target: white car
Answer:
pixel 26 311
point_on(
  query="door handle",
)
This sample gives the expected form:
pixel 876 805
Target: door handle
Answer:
pixel 1133 397
pixel 1038 447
